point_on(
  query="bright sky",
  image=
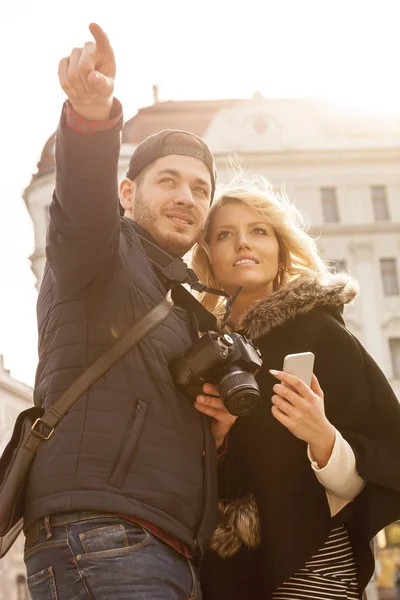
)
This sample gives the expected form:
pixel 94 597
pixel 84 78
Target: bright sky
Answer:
pixel 348 50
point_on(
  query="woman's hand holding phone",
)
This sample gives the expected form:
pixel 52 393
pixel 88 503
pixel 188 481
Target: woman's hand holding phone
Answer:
pixel 300 408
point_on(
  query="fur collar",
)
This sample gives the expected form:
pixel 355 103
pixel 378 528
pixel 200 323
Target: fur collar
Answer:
pixel 298 297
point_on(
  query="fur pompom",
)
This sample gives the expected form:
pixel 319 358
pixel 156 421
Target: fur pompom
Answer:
pixel 238 524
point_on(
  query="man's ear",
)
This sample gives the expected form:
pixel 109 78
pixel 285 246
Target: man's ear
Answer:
pixel 127 193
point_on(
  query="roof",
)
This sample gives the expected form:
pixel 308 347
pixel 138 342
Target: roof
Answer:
pixel 194 116
pixel 258 125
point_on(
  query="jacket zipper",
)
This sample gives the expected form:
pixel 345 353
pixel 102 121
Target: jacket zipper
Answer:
pixel 204 489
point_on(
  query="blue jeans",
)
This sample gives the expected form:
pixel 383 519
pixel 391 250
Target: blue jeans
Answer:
pixel 88 556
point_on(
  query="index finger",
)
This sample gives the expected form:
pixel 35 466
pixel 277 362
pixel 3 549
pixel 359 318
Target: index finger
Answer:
pixel 100 37
pixel 211 389
pixel 315 386
pixel 292 380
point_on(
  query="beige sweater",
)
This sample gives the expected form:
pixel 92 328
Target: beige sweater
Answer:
pixel 339 477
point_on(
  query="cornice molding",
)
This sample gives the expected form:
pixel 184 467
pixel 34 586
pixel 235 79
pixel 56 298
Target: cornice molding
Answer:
pixel 335 229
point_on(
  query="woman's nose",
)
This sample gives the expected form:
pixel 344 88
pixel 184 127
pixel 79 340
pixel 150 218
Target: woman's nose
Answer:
pixel 242 242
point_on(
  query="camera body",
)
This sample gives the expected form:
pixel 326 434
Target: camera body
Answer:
pixel 228 360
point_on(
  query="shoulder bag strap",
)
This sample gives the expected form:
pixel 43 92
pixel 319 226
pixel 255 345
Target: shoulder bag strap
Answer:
pixel 96 370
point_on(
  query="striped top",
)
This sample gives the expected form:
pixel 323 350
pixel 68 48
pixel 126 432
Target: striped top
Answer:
pixel 330 574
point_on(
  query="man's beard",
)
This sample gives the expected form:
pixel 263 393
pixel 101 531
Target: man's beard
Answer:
pixel 143 215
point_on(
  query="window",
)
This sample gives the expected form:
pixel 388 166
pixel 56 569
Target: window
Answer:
pixel 337 266
pixel 260 125
pixel 22 590
pixel 330 208
pixel 380 203
pixel 394 345
pixel 389 276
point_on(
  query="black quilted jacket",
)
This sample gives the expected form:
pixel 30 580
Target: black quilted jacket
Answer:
pixel 133 444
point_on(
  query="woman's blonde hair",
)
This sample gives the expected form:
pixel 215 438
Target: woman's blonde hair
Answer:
pixel 298 252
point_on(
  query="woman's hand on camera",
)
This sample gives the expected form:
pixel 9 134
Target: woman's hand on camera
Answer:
pixel 213 406
pixel 301 410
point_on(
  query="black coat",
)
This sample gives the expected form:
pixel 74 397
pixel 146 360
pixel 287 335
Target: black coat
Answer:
pixel 265 459
pixel 133 444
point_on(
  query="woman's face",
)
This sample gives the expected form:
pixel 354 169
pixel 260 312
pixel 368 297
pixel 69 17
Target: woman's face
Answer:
pixel 243 250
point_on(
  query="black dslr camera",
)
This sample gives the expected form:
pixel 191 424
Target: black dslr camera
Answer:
pixel 228 360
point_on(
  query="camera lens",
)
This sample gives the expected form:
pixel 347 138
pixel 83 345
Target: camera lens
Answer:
pixel 239 391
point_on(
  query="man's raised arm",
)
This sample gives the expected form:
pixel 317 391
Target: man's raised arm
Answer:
pixel 84 215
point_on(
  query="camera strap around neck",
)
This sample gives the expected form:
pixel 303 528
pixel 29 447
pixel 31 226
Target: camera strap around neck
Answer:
pixel 176 272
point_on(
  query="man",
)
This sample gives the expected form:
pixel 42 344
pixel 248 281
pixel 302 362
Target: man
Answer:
pixel 122 499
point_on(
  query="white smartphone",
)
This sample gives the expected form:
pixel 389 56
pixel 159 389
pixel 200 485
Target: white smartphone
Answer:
pixel 301 365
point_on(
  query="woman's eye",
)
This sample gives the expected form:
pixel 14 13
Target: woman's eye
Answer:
pixel 223 234
pixel 260 231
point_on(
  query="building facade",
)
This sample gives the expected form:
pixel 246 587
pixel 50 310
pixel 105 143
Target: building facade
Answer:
pixel 14 398
pixel 342 169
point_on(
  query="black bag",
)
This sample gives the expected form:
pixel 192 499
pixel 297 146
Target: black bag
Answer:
pixel 34 426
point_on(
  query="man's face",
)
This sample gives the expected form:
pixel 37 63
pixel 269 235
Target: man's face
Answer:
pixel 170 201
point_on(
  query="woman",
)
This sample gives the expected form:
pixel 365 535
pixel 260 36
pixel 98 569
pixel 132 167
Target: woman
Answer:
pixel 310 477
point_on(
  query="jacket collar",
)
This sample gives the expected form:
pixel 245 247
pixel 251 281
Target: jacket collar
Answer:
pixel 298 297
